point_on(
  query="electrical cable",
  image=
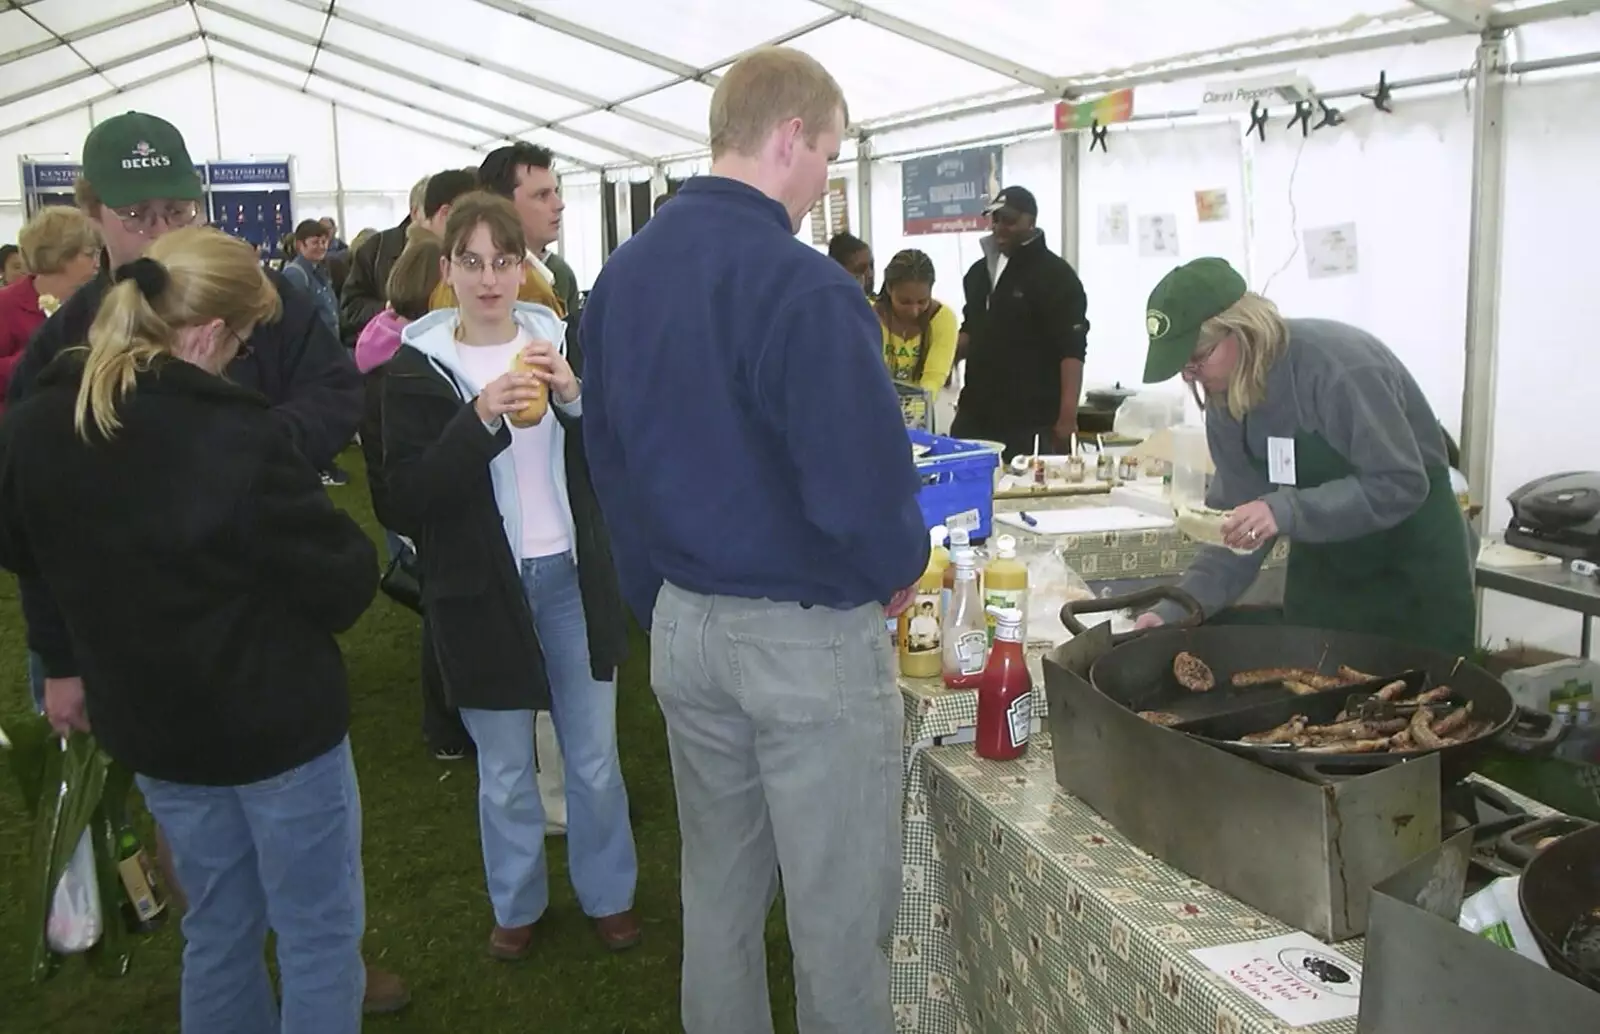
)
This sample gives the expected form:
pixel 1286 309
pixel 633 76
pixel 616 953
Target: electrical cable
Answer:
pixel 1294 219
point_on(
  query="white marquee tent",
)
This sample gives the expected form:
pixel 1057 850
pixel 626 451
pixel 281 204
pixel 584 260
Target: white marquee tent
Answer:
pixel 1470 205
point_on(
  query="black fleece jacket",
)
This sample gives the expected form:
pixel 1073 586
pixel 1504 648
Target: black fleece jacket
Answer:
pixel 196 571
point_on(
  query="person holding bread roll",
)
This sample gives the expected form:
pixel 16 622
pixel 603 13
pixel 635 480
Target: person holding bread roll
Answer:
pixel 1319 434
pixel 485 472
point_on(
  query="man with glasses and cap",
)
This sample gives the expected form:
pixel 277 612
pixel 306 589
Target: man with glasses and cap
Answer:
pixel 1024 335
pixel 138 183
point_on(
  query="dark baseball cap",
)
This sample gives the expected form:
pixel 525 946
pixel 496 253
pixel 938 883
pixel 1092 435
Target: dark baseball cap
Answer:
pixel 1179 306
pixel 134 157
pixel 1018 199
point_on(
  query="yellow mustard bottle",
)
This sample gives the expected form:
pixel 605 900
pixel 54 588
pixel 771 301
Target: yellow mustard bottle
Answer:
pixel 920 623
pixel 533 412
pixel 1005 584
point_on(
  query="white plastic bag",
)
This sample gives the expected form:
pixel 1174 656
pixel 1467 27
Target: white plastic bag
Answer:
pixel 1051 583
pixel 75 922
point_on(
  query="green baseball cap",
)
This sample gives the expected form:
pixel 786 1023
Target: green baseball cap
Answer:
pixel 1183 300
pixel 134 157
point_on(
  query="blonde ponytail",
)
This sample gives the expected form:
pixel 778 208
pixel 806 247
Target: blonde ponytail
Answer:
pixel 126 337
pixel 189 278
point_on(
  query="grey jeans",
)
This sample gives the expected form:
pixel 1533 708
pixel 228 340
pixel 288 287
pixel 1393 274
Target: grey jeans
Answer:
pixel 785 727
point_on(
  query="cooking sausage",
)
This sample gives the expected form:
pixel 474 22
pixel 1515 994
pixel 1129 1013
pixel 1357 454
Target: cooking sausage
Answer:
pixel 1350 674
pixel 1284 733
pixel 1432 696
pixel 1349 747
pixel 1160 717
pixel 1192 673
pixel 1299 688
pixel 1421 730
pixel 1391 690
pixel 1453 722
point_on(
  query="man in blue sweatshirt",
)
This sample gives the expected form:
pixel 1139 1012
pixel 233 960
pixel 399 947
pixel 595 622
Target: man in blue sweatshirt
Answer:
pixel 750 458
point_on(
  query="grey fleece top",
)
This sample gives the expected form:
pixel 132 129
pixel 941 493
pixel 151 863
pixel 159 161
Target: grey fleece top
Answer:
pixel 1345 384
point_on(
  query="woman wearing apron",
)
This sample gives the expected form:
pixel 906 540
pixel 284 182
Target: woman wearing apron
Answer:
pixel 1320 434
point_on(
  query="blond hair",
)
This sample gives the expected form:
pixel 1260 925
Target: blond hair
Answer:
pixel 767 87
pixel 55 236
pixel 1262 336
pixel 201 275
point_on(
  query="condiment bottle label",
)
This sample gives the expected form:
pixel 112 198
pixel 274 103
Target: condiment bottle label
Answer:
pixel 1019 719
pixel 922 630
pixel 1004 599
pixel 971 649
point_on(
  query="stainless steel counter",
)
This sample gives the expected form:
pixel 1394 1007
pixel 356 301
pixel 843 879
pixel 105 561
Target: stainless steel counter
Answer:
pixel 1552 585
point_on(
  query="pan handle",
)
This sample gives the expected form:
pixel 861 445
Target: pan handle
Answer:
pixel 1533 734
pixel 1519 844
pixel 1141 600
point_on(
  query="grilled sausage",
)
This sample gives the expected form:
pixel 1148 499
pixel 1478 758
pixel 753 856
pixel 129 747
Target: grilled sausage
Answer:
pixel 1454 722
pixel 1160 717
pixel 1421 730
pixel 1192 673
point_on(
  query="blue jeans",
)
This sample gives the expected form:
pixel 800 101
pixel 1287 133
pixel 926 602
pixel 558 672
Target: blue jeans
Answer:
pixel 285 853
pixel 600 851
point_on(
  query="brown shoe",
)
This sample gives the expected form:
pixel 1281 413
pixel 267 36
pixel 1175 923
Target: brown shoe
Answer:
pixel 510 943
pixel 619 932
pixel 386 993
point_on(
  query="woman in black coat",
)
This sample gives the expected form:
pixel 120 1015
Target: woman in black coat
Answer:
pixel 518 584
pixel 196 575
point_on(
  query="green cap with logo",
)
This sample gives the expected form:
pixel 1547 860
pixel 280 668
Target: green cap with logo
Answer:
pixel 1181 303
pixel 132 158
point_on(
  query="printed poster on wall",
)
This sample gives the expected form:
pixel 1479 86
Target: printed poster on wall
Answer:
pixel 1113 231
pixel 947 193
pixel 831 213
pixel 1158 236
pixel 1211 206
pixel 1331 251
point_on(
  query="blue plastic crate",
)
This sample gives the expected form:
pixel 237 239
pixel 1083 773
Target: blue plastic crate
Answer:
pixel 957 483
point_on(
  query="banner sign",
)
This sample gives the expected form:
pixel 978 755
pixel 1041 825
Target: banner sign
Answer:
pixel 51 177
pixel 247 173
pixel 1240 94
pixel 947 193
pixel 1113 107
pixel 831 213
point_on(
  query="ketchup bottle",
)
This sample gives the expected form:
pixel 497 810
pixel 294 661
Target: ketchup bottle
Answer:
pixel 1005 693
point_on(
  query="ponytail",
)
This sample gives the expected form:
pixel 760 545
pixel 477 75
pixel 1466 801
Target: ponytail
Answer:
pixel 189 278
pixel 126 336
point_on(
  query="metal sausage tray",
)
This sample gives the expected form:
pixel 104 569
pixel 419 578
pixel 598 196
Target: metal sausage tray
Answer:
pixel 1305 848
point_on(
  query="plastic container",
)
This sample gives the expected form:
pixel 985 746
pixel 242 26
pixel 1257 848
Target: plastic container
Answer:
pixel 965 635
pixel 1191 462
pixel 920 625
pixel 1143 414
pixel 1005 692
pixel 1005 584
pixel 957 483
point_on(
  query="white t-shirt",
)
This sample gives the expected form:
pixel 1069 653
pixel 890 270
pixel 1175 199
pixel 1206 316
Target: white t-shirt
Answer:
pixel 544 522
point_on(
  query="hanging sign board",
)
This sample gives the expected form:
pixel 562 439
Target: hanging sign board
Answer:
pixel 247 173
pixel 1239 94
pixel 51 177
pixel 947 193
pixel 1113 107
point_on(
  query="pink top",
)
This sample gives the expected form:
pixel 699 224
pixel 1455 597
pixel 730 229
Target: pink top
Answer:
pixel 379 340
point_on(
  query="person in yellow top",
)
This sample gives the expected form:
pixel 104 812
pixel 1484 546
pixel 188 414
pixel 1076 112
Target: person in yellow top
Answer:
pixel 919 333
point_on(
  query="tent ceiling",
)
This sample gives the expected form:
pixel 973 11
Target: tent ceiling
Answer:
pixel 618 83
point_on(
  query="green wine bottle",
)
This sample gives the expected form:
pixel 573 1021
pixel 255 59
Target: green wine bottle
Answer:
pixel 144 907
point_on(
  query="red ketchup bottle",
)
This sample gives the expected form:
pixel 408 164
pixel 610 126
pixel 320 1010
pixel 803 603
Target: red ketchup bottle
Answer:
pixel 1005 693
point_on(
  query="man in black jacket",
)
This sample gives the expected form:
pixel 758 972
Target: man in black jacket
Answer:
pixel 363 294
pixel 1024 335
pixel 139 182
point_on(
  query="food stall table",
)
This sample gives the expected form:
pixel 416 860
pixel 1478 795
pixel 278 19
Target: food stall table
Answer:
pixel 1053 921
pixel 1112 563
pixel 1554 585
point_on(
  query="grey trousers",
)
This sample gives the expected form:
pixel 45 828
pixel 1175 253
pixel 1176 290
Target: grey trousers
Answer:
pixel 784 725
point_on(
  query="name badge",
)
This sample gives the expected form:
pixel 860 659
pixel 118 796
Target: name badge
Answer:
pixel 1280 461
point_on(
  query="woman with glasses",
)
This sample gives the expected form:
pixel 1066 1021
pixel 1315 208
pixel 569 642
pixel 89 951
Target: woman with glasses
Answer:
pixel 517 580
pixel 1319 433
pixel 203 574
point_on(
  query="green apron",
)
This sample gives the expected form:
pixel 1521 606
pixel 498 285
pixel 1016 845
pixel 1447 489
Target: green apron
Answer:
pixel 1411 582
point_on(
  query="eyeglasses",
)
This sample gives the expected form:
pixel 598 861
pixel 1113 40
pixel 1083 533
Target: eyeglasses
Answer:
pixel 474 264
pixel 142 218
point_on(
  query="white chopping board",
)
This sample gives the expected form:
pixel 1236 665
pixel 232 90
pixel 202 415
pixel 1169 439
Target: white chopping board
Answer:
pixel 1084 520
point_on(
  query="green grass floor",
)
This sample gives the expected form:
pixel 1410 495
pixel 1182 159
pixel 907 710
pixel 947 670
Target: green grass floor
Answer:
pixel 427 915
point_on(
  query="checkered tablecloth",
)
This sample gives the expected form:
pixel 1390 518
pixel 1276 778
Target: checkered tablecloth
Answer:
pixel 1054 922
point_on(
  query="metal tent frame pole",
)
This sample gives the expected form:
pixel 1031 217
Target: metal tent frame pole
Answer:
pixel 1483 264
